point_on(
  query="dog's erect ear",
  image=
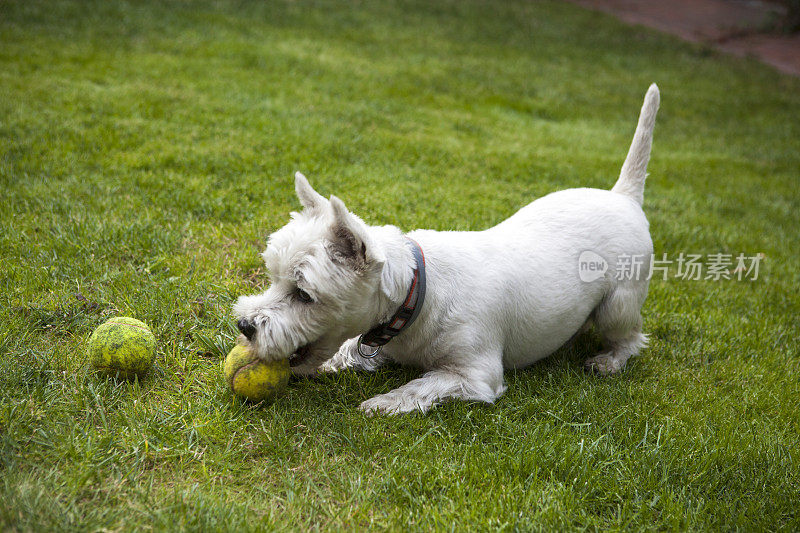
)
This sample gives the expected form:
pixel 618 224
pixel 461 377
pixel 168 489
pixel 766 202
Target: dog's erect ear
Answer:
pixel 351 241
pixel 309 198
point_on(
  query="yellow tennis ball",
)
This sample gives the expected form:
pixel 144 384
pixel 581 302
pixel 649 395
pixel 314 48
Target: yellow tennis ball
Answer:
pixel 122 347
pixel 253 378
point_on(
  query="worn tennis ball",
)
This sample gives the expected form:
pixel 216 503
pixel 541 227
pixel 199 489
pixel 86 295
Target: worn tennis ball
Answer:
pixel 253 378
pixel 123 347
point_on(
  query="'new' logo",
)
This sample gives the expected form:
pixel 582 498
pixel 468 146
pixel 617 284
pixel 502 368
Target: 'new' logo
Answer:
pixel 591 266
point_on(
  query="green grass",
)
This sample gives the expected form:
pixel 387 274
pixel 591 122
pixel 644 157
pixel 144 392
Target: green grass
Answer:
pixel 147 149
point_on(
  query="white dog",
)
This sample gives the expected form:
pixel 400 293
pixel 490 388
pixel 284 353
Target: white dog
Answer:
pixel 461 305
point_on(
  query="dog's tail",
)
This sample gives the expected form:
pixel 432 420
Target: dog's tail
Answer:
pixel 634 170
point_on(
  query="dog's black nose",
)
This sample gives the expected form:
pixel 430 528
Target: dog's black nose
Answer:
pixel 246 327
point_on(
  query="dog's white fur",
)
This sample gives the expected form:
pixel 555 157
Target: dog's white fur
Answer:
pixel 500 298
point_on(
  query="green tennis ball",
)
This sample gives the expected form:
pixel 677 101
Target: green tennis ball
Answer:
pixel 122 347
pixel 253 378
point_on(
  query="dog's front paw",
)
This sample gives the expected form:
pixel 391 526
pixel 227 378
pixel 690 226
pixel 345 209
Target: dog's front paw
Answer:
pixel 340 361
pixel 394 403
pixel 347 357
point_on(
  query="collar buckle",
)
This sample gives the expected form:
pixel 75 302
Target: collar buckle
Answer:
pixel 367 355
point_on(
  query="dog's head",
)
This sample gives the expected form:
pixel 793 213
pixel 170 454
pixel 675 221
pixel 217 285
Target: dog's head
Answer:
pixel 325 272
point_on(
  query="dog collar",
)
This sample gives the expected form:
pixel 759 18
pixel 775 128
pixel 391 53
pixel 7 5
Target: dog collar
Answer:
pixel 405 316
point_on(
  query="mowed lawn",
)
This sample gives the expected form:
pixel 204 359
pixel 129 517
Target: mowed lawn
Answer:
pixel 147 149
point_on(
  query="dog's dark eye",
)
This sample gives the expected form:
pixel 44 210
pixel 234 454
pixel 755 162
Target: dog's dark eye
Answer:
pixel 303 296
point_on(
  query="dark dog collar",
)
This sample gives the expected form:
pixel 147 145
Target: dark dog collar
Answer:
pixel 405 316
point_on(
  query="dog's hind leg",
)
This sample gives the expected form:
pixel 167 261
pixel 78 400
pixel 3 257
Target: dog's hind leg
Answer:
pixel 619 322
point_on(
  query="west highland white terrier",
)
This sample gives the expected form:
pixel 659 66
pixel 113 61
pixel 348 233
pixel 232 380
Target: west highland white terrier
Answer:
pixel 463 306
